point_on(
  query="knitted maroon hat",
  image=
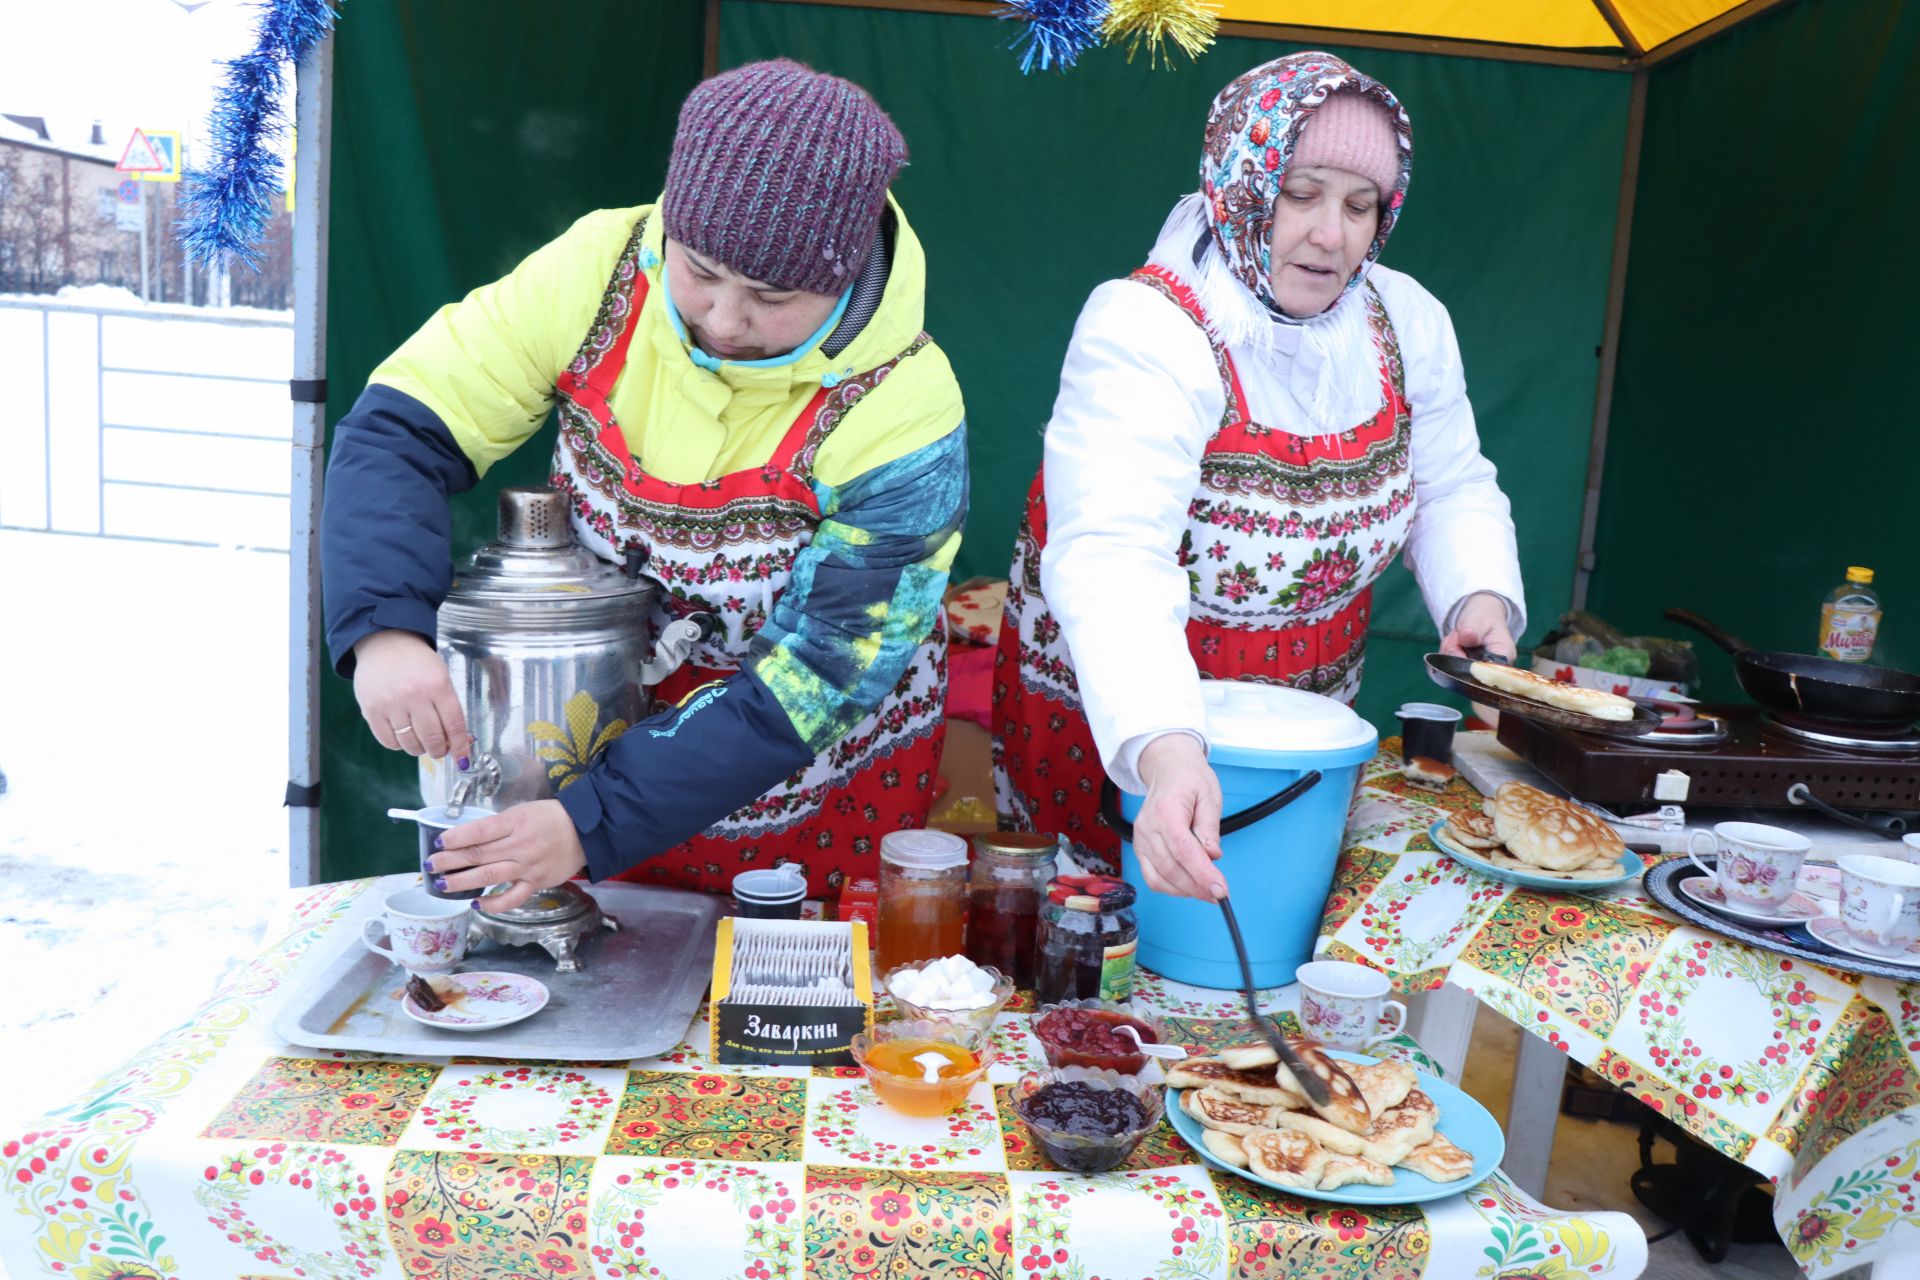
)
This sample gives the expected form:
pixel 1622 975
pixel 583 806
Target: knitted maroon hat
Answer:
pixel 780 172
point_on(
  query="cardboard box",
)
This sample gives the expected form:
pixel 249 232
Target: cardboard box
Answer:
pixel 756 1018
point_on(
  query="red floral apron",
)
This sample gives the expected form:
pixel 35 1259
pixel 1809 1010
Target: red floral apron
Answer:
pixel 1283 541
pixel 727 547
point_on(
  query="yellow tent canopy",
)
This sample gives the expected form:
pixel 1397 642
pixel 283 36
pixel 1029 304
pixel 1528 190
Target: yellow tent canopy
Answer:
pixel 1617 34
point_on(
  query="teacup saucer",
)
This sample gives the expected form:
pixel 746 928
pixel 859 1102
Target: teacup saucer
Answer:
pixel 1797 908
pixel 480 1001
pixel 1834 933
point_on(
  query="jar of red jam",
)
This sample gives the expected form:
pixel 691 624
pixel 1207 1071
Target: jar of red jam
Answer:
pixel 1011 872
pixel 1088 936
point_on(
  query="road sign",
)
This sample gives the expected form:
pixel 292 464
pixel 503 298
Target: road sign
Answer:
pixel 139 157
pixel 166 146
pixel 127 217
pixel 129 192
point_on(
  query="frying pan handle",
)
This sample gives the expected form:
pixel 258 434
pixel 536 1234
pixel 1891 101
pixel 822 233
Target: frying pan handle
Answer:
pixel 1110 806
pixel 1725 639
pixel 1800 794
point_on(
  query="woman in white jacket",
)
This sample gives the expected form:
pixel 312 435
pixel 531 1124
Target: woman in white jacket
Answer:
pixel 1249 429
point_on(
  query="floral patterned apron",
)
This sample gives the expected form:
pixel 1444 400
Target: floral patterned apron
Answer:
pixel 727 547
pixel 1283 542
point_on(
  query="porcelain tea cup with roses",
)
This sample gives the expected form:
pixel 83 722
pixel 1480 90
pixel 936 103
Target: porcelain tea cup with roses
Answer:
pixel 425 935
pixel 1341 1004
pixel 1757 864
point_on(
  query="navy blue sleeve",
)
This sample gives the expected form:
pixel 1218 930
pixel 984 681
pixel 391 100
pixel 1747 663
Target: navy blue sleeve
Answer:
pixel 386 535
pixel 672 776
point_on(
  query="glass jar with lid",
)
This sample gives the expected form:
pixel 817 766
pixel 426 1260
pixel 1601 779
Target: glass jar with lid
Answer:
pixel 923 897
pixel 1088 937
pixel 1011 871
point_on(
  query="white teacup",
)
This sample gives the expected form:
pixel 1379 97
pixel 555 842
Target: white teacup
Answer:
pixel 1341 1003
pixel 425 934
pixel 1910 846
pixel 1758 864
pixel 1880 901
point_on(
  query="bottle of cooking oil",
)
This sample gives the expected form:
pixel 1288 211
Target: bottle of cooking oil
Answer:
pixel 1850 618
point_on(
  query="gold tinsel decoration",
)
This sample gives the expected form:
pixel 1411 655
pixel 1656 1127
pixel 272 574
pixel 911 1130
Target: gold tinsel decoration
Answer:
pixel 1155 23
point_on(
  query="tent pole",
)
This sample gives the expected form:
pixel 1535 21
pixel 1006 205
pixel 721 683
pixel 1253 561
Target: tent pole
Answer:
pixel 1610 338
pixel 312 166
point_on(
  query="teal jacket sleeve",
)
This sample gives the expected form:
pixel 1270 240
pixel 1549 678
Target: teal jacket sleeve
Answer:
pixel 865 595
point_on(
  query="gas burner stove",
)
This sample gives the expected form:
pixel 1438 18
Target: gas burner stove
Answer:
pixel 1753 766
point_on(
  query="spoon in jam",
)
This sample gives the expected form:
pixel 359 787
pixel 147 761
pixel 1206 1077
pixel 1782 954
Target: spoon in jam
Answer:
pixel 1148 1047
pixel 930 1062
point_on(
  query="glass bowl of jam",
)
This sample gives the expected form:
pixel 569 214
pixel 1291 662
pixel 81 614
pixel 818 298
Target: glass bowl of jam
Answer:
pixel 1087 1120
pixel 1086 1033
pixel 923 1067
pixel 980 1019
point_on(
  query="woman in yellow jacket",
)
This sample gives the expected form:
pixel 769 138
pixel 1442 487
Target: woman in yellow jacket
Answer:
pixel 744 393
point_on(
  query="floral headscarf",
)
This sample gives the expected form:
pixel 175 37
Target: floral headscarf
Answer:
pixel 1251 132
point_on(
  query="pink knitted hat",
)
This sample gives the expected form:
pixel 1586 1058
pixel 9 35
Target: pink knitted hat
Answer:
pixel 1351 131
pixel 780 172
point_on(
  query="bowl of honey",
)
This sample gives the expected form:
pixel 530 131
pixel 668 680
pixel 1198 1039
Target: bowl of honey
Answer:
pixel 923 1067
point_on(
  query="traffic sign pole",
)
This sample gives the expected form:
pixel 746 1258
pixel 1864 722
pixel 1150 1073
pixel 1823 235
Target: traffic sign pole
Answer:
pixel 146 281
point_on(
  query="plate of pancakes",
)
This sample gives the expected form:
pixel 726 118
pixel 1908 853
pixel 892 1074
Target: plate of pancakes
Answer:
pixel 1388 1135
pixel 1525 836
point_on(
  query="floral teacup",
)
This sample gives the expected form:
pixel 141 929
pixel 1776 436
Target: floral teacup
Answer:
pixel 1341 1004
pixel 1758 864
pixel 425 934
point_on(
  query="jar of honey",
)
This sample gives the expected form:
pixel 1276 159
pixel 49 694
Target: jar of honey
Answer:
pixel 923 897
pixel 1011 870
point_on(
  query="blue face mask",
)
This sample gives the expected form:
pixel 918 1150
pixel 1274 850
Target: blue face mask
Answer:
pixel 712 364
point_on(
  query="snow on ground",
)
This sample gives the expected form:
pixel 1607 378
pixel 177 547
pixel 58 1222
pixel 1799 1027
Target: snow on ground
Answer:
pixel 143 729
pixel 143 683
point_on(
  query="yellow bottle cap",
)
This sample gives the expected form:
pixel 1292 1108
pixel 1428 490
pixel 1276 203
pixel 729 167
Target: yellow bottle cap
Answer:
pixel 1855 573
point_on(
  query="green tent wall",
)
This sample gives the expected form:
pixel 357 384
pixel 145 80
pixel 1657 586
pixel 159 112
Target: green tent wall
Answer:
pixel 462 145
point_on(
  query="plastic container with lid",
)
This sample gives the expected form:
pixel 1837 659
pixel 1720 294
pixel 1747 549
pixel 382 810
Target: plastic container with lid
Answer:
pixel 1261 739
pixel 1850 618
pixel 923 897
pixel 1011 870
pixel 1088 939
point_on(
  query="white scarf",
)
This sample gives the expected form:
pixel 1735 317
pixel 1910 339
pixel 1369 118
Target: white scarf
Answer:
pixel 1327 366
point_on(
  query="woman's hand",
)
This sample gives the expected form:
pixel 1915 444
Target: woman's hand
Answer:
pixel 530 846
pixel 1177 833
pixel 406 695
pixel 1482 620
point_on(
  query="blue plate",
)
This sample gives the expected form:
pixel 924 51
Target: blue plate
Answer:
pixel 1463 1122
pixel 1631 865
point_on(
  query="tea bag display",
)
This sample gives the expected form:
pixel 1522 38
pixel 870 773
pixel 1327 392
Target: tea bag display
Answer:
pixel 790 992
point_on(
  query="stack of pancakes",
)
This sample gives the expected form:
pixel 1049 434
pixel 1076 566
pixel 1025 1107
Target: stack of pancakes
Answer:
pixel 1522 828
pixel 1258 1118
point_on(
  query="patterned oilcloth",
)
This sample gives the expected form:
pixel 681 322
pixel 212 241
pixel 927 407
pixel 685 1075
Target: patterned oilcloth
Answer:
pixel 221 1153
pixel 1808 1075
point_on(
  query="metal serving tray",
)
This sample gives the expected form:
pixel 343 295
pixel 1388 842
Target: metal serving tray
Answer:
pixel 636 996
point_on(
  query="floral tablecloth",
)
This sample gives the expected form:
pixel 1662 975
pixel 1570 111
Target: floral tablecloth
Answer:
pixel 220 1153
pixel 1808 1075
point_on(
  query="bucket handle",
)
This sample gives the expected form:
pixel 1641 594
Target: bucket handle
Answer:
pixel 1110 806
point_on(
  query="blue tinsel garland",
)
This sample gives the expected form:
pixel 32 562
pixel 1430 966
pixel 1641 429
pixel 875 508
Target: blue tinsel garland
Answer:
pixel 227 203
pixel 1057 31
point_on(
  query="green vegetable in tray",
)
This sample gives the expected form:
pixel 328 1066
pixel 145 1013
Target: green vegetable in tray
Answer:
pixel 1620 660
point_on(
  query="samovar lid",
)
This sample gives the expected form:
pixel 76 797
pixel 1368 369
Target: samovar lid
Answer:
pixel 535 556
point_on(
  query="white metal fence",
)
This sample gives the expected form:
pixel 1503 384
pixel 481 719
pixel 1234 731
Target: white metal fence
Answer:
pixel 165 424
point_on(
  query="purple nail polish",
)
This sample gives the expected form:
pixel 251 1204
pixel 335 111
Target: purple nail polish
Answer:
pixel 465 764
pixel 439 842
pixel 439 884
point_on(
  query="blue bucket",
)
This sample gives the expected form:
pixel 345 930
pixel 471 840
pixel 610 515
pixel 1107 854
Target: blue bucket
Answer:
pixel 1278 863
